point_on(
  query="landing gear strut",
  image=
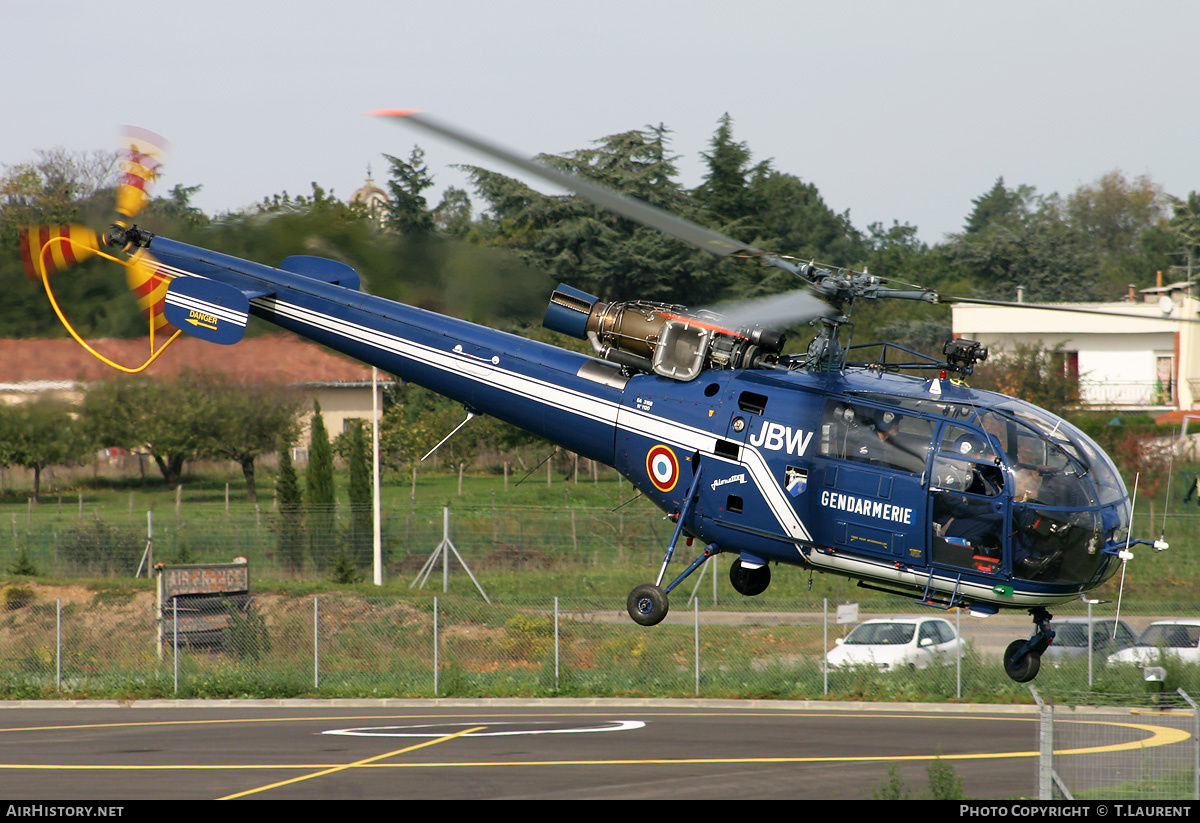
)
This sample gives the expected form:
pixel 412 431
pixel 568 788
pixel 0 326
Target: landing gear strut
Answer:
pixel 647 604
pixel 1023 658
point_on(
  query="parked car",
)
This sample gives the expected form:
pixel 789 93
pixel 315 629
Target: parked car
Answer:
pixel 891 643
pixel 1176 638
pixel 1071 638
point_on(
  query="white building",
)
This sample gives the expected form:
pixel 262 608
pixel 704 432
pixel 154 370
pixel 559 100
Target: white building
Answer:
pixel 1128 355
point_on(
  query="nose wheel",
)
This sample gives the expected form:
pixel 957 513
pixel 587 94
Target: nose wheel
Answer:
pixel 1024 668
pixel 647 605
pixel 1023 658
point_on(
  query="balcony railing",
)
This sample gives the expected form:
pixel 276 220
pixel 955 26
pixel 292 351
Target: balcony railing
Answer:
pixel 1107 393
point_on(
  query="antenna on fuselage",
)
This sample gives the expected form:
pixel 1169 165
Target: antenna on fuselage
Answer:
pixel 470 414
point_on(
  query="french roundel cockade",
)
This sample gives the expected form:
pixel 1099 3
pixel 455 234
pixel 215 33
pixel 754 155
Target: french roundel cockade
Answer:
pixel 663 467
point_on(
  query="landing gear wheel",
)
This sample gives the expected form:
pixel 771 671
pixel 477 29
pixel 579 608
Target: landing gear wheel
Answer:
pixel 749 581
pixel 1027 668
pixel 647 605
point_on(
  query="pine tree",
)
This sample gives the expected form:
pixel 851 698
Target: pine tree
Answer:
pixel 724 189
pixel 319 491
pixel 998 203
pixel 408 211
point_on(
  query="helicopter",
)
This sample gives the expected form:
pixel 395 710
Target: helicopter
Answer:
pixel 913 484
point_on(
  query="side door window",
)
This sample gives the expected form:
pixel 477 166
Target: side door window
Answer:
pixel 966 502
pixel 878 437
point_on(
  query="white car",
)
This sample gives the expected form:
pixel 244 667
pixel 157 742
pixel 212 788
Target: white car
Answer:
pixel 891 643
pixel 1179 639
pixel 1108 636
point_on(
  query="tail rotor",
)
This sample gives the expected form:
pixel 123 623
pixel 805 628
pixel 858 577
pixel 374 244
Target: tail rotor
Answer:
pixel 49 250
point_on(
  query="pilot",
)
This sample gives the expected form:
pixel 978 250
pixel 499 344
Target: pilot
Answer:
pixel 1039 537
pixel 1030 486
pixel 969 445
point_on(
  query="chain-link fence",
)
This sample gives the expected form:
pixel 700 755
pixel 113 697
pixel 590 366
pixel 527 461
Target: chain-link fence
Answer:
pixel 114 643
pixel 69 539
pixel 1119 746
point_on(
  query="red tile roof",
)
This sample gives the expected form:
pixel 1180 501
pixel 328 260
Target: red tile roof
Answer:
pixel 273 358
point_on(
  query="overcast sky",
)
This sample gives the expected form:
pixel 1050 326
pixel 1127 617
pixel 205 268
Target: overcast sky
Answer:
pixel 896 110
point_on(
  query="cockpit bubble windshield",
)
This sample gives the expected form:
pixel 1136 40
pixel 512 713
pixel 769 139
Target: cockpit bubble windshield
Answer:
pixel 1036 441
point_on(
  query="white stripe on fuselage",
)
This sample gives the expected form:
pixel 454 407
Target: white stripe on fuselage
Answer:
pixel 612 413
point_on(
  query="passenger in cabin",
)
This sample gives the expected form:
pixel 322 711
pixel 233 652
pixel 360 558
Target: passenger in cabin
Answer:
pixel 967 532
pixel 972 522
pixel 876 443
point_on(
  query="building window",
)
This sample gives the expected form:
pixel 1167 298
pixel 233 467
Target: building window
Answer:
pixel 1164 380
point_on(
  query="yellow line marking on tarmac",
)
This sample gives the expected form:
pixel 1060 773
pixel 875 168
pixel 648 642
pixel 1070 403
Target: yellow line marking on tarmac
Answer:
pixel 1159 736
pixel 598 713
pixel 356 764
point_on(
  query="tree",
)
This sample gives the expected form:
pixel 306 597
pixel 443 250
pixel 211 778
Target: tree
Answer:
pixel 1039 376
pixel 1113 213
pixel 1185 229
pixel 452 217
pixel 997 204
pixel 593 248
pixel 1123 226
pixel 361 531
pixel 197 414
pixel 407 210
pixel 291 510
pixel 1035 248
pixel 162 417
pixel 41 434
pixel 319 491
pixel 724 192
pixel 244 422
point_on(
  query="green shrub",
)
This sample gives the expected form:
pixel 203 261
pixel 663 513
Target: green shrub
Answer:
pixel 15 596
pixel 102 548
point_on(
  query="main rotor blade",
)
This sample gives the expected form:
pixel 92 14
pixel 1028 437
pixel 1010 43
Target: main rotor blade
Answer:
pixel 1051 307
pixel 628 207
pixel 774 310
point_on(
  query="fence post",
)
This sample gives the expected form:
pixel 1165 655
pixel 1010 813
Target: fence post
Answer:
pixel 58 644
pixel 175 637
pixel 958 657
pixel 556 657
pixel 1045 747
pixel 825 647
pixel 1195 743
pixel 435 647
pixel 316 643
pixel 696 623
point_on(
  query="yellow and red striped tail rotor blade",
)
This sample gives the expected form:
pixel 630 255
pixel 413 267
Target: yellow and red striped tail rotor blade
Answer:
pixel 149 286
pixel 56 247
pixel 141 159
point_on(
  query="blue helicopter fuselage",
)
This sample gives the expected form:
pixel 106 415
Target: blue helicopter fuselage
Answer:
pixel 912 485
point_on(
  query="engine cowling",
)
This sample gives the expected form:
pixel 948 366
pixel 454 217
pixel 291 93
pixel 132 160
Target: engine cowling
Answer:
pixel 668 340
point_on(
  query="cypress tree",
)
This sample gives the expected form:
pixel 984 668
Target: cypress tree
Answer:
pixel 318 480
pixel 361 527
pixel 291 511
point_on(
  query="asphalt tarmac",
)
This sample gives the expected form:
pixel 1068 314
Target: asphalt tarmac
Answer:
pixel 509 749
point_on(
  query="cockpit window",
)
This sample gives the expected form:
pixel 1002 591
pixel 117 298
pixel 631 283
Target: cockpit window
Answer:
pixel 1052 461
pixel 1054 546
pixel 879 437
pixel 966 444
